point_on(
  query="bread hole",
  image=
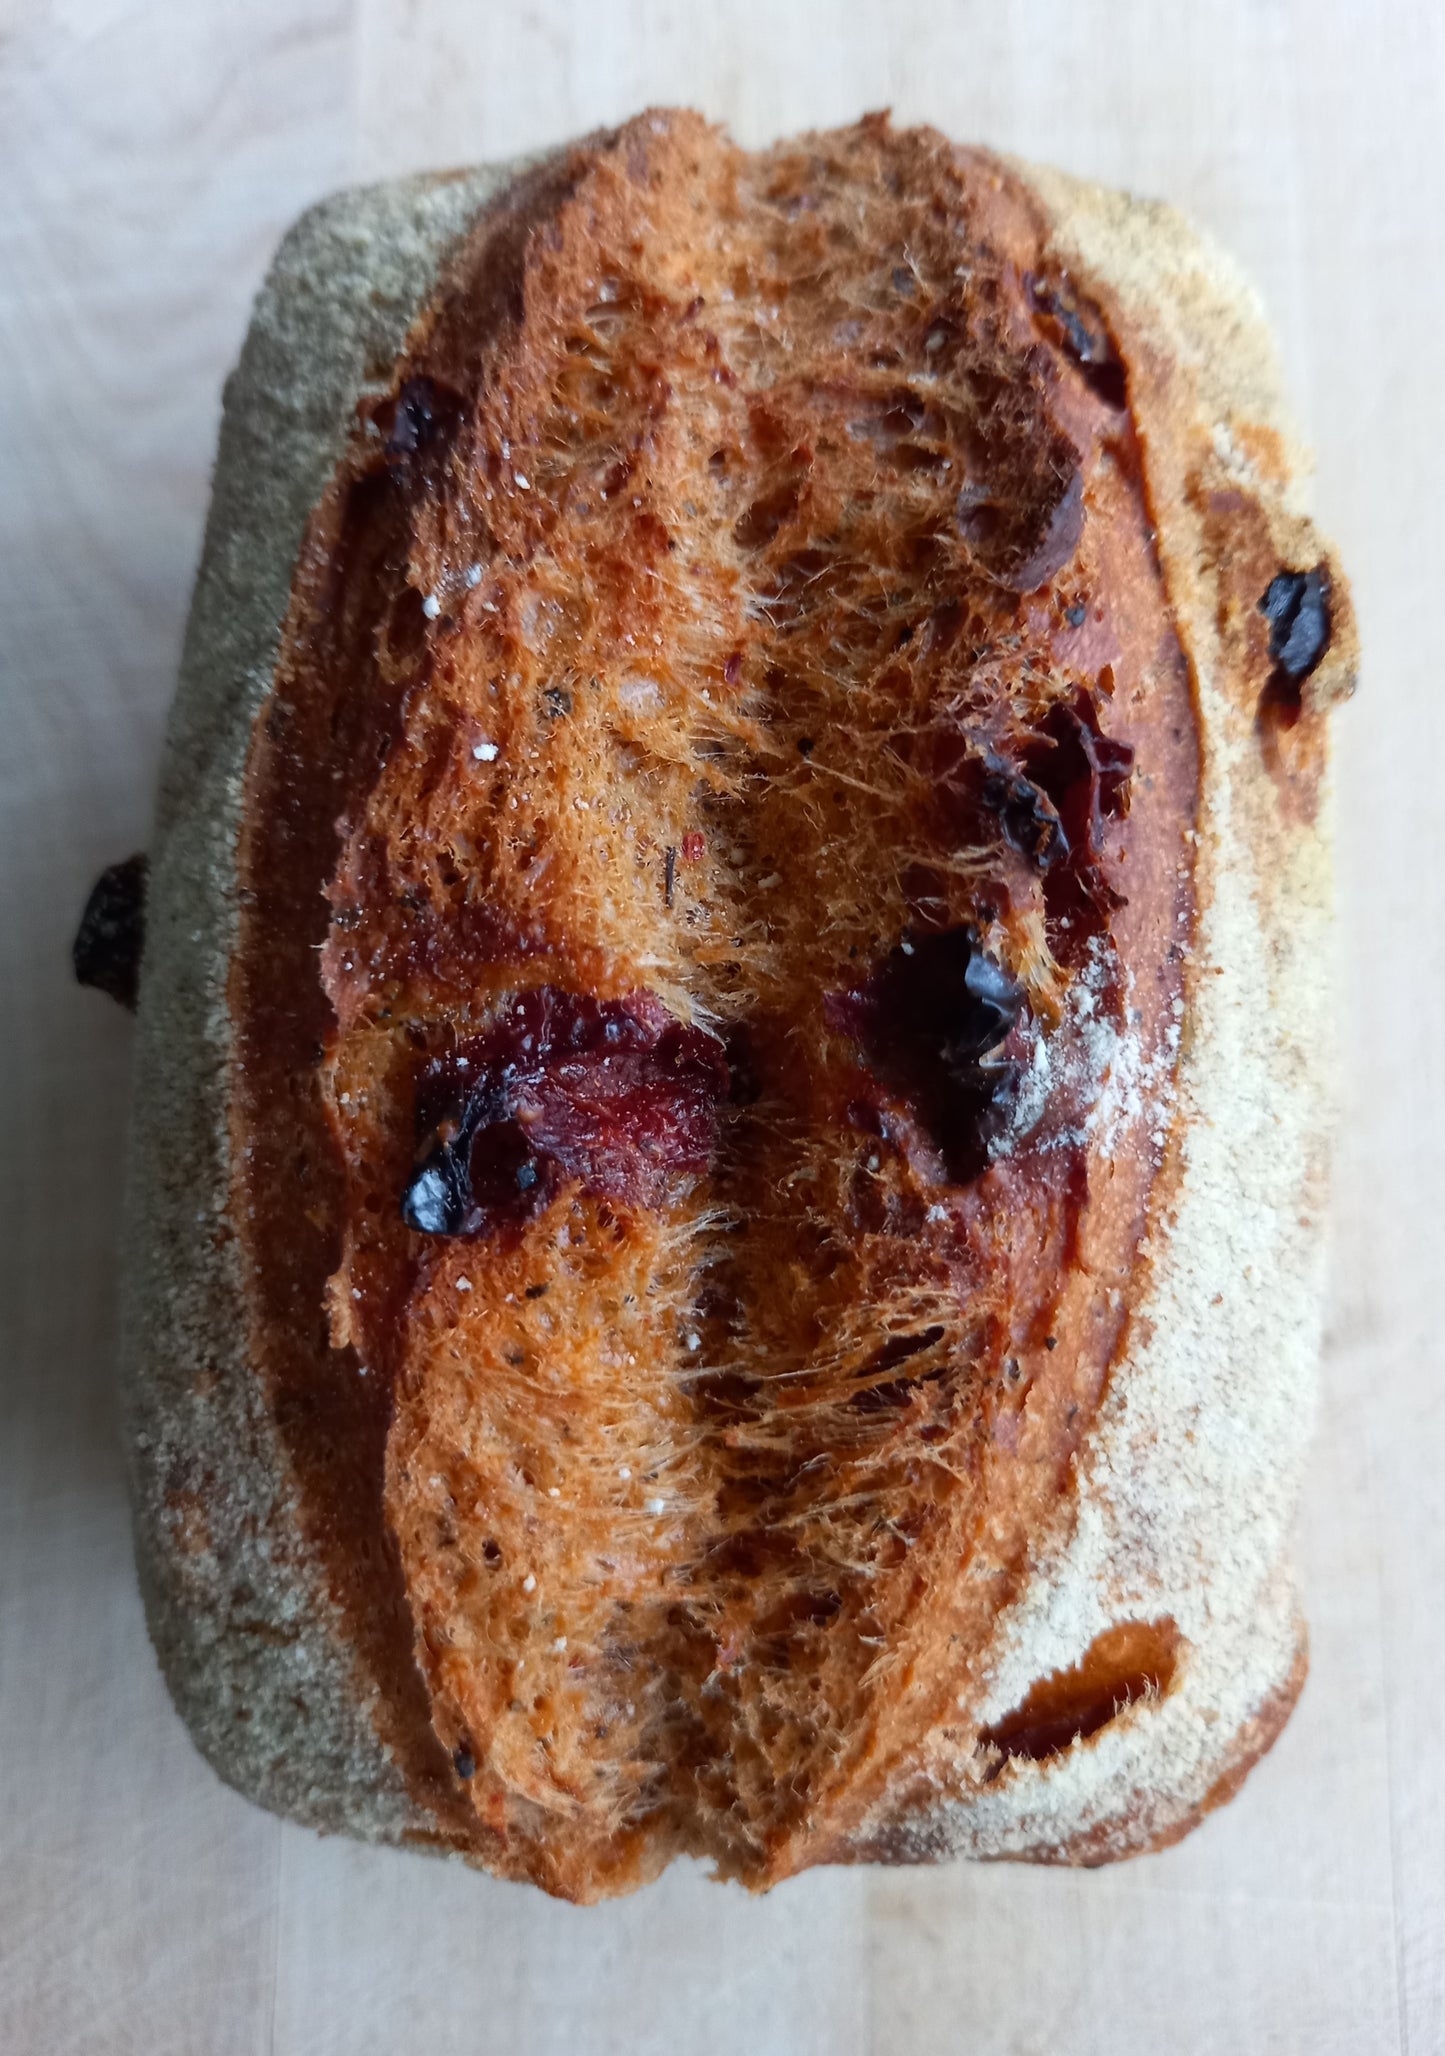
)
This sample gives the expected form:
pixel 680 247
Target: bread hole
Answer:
pixel 759 524
pixel 879 1392
pixel 918 457
pixel 405 632
pixel 1135 1660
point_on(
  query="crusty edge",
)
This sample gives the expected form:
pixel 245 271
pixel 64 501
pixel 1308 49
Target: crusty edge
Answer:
pixel 247 1633
pixel 1186 1489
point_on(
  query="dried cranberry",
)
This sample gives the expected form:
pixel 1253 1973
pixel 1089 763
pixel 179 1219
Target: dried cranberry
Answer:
pixel 1080 331
pixel 1071 770
pixel 1083 772
pixel 1029 818
pixel 615 1094
pixel 424 412
pixel 929 1019
pixel 1297 606
pixel 107 949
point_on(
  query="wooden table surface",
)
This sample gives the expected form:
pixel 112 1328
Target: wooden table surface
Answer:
pixel 150 155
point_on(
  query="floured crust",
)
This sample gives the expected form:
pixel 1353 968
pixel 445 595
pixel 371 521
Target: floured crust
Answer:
pixel 256 1626
pixel 1209 1412
pixel 238 1600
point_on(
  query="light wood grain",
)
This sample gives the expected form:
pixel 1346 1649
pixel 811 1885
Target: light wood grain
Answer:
pixel 150 154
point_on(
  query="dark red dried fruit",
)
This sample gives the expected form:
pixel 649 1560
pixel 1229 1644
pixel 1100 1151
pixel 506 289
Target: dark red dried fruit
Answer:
pixel 1297 606
pixel 108 944
pixel 616 1094
pixel 1028 817
pixel 423 413
pixel 928 1019
pixel 1077 327
pixel 1082 771
pixel 1074 775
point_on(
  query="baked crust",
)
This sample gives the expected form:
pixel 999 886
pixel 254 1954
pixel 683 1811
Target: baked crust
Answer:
pixel 1089 1622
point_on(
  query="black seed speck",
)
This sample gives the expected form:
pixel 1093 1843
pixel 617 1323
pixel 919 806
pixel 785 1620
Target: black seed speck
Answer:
pixel 464 1763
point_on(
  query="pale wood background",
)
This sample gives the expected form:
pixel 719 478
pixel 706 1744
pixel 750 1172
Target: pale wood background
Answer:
pixel 150 155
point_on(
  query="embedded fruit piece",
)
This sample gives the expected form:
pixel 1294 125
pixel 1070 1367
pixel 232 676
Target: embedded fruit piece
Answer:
pixel 614 1093
pixel 928 1019
pixel 107 949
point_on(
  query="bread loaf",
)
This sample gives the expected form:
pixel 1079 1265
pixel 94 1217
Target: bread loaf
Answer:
pixel 726 1205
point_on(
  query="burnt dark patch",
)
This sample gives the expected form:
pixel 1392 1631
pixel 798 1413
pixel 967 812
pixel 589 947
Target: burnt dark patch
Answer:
pixel 614 1094
pixel 110 941
pixel 930 1020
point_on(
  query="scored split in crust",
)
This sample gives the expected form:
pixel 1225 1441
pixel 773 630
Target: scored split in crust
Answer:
pixel 701 610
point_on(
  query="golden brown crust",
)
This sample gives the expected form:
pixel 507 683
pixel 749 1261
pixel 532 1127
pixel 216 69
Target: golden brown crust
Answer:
pixel 756 627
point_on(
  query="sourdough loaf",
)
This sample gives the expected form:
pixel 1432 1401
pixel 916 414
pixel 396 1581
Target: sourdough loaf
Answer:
pixel 725 1219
